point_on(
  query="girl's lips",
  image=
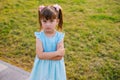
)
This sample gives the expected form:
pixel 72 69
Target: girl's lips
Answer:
pixel 47 28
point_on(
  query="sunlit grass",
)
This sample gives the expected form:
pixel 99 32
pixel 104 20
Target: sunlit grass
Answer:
pixel 92 36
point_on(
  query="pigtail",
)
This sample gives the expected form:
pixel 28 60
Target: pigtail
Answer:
pixel 39 19
pixel 40 8
pixel 60 17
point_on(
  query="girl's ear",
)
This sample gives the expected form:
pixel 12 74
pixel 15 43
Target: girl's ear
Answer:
pixel 58 21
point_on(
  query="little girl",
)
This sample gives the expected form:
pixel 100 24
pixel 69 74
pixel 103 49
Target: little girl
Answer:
pixel 49 60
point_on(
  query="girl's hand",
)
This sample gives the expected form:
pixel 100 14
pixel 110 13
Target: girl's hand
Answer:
pixel 57 58
pixel 60 52
pixel 60 48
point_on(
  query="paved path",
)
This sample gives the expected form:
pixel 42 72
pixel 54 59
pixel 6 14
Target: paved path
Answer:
pixel 10 72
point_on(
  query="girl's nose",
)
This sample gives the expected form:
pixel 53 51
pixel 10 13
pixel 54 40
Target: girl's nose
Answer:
pixel 47 24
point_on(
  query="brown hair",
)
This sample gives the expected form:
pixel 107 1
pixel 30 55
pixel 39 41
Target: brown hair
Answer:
pixel 49 13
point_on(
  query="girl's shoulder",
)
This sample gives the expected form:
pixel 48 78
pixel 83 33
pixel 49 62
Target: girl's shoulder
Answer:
pixel 38 34
pixel 60 36
pixel 60 33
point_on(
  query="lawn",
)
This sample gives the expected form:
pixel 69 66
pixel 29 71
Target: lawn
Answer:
pixel 92 36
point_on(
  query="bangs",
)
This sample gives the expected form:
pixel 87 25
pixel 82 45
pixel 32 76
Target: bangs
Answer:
pixel 48 14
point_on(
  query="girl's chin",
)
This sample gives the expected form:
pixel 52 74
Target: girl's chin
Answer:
pixel 49 31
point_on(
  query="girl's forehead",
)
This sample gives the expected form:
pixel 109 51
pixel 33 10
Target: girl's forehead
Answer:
pixel 49 17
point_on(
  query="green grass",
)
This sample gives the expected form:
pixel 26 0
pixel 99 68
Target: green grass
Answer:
pixel 92 40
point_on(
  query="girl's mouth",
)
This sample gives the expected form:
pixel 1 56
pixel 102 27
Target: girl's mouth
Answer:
pixel 48 28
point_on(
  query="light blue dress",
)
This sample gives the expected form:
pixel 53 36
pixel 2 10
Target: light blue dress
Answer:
pixel 48 69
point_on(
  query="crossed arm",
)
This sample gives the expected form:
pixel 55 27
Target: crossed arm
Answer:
pixel 56 55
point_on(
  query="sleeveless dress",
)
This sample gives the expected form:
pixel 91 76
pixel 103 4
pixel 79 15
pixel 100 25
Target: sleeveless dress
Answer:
pixel 48 69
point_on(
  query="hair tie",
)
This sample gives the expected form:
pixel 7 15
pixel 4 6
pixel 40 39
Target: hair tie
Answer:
pixel 41 7
pixel 57 7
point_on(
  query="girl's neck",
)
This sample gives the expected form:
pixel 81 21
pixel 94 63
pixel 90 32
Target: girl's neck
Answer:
pixel 50 34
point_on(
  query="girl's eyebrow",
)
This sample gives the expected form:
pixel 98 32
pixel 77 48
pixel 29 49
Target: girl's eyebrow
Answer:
pixel 48 19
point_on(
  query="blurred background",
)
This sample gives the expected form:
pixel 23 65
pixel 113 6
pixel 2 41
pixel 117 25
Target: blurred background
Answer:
pixel 92 36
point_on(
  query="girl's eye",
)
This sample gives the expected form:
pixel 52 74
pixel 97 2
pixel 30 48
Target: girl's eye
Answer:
pixel 51 21
pixel 44 21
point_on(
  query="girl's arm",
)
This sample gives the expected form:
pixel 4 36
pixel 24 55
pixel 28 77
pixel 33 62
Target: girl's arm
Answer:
pixel 60 45
pixel 46 55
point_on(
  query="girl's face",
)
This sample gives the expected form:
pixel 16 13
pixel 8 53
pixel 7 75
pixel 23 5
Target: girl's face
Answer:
pixel 49 25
